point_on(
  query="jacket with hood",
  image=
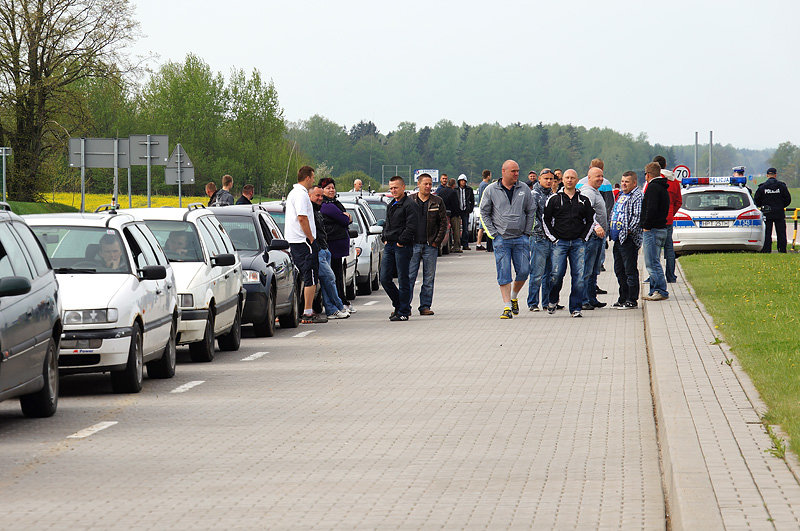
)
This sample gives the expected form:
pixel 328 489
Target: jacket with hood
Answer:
pixel 540 197
pixel 401 221
pixel 507 218
pixel 595 197
pixel 655 205
pixel 674 190
pixel 568 218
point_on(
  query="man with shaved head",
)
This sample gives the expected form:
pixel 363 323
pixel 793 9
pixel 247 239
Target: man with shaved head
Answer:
pixel 595 246
pixel 507 216
pixel 568 223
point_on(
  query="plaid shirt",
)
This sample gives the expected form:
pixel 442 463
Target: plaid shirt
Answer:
pixel 632 203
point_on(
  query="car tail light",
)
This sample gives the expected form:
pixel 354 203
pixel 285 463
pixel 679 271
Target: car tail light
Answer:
pixel 681 216
pixel 358 251
pixel 753 213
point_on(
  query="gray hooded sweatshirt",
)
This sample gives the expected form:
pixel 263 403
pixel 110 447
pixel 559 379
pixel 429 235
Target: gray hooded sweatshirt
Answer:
pixel 509 219
pixel 599 206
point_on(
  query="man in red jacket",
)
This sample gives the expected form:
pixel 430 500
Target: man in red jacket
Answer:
pixel 675 202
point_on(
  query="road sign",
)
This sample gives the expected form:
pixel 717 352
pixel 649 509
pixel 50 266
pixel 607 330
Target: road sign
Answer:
pixel 173 159
pixel 99 153
pixel 433 173
pixel 681 172
pixel 158 150
pixel 171 175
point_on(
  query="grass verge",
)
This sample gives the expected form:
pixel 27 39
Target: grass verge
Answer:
pixel 755 302
pixel 21 208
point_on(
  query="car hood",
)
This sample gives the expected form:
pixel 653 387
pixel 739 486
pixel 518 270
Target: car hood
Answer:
pixel 85 292
pixel 248 257
pixel 185 273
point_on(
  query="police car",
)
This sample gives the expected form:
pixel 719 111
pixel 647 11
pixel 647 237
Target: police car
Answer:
pixel 718 213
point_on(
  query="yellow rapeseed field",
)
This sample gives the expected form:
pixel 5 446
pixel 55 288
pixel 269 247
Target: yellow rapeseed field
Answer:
pixel 95 200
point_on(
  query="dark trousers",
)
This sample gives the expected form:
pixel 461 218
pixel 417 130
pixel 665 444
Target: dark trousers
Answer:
pixel 626 254
pixel 780 235
pixel 465 229
pixel 396 262
pixel 338 272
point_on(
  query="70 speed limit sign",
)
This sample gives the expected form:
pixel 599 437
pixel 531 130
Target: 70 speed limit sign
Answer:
pixel 681 172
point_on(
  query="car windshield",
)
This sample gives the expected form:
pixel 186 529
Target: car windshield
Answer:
pixel 379 209
pixel 280 220
pixel 242 231
pixel 715 200
pixel 84 249
pixel 178 239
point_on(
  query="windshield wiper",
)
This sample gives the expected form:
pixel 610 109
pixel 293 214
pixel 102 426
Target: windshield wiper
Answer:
pixel 75 270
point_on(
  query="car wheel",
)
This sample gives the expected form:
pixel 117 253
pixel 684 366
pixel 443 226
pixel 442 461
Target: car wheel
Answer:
pixel 365 288
pixel 164 367
pixel 292 319
pixel 129 379
pixel 350 289
pixel 43 403
pixel 204 350
pixel 267 327
pixel 232 339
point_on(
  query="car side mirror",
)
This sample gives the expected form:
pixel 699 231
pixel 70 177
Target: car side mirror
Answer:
pixel 153 272
pixel 225 259
pixel 12 286
pixel 353 233
pixel 278 245
pixel 375 229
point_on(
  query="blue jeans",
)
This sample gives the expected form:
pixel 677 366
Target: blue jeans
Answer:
pixel 395 262
pixel 426 254
pixel 574 251
pixel 652 244
pixel 669 256
pixel 506 251
pixel 541 271
pixel 327 283
pixel 592 262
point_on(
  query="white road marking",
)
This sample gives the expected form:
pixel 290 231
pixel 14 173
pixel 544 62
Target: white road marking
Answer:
pixel 370 303
pixel 304 334
pixel 253 357
pixel 185 387
pixel 91 430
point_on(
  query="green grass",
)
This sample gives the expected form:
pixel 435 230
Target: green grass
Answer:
pixel 755 302
pixel 795 197
pixel 22 208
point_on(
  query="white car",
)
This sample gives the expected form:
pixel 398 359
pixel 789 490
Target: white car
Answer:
pixel 118 293
pixel 714 217
pixel 368 247
pixel 208 274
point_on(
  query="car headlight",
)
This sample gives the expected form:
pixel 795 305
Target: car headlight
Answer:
pixel 251 277
pixel 186 300
pixel 102 315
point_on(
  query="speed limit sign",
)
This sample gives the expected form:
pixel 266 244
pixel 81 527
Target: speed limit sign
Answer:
pixel 681 172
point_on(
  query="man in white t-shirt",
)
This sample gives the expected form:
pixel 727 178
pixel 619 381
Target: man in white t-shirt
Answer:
pixel 301 233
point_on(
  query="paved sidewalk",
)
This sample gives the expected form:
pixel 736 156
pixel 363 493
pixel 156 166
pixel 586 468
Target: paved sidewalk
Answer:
pixel 718 471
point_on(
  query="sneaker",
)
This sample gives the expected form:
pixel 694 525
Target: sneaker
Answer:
pixel 426 311
pixel 618 305
pixel 339 314
pixel 507 314
pixel 533 309
pixel 657 296
pixel 396 317
pixel 601 291
pixel 646 281
pixel 598 304
pixel 576 313
pixel 551 308
pixel 515 306
pixel 466 247
pixel 586 306
pixel 630 305
pixel 350 308
pixel 314 318
pixel 392 314
pixel 480 248
pixel 559 307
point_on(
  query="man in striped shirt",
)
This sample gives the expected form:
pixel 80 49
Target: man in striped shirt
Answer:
pixel 626 232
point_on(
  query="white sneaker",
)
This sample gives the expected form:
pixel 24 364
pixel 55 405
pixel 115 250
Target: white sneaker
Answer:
pixel 339 314
pixel 350 308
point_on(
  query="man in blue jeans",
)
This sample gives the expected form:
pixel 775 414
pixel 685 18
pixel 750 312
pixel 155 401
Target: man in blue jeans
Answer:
pixel 507 218
pixel 568 223
pixel 595 246
pixel 655 209
pixel 541 247
pixel 431 230
pixel 398 236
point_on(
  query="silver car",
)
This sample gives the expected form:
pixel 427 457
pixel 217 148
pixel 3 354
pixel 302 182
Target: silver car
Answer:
pixel 368 247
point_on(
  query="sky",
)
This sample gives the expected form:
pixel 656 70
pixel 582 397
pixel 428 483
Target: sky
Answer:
pixel 667 69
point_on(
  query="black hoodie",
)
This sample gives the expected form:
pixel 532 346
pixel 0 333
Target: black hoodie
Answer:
pixel 655 206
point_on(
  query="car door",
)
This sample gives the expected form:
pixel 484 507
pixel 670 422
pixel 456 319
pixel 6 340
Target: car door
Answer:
pixel 149 294
pixel 281 262
pixel 168 298
pixel 220 275
pixel 233 274
pixel 369 220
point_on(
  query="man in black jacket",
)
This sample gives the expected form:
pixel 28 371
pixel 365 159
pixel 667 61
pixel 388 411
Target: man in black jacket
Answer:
pixel 248 191
pixel 431 230
pixel 466 204
pixel 398 236
pixel 772 196
pixel 655 209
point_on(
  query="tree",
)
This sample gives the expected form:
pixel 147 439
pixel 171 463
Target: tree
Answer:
pixel 46 46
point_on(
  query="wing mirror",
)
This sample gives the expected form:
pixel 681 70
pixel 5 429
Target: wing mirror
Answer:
pixel 225 259
pixel 153 272
pixel 353 233
pixel 375 229
pixel 12 286
pixel 278 245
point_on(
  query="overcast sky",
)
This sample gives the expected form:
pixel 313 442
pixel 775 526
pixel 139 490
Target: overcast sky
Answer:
pixel 664 68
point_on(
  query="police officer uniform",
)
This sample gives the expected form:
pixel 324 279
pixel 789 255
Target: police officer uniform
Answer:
pixel 772 197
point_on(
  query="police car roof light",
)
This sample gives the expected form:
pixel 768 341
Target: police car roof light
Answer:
pixel 694 181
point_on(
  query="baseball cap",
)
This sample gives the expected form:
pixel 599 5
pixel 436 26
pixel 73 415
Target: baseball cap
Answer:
pixel 771 171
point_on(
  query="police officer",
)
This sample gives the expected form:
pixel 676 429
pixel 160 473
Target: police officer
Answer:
pixel 772 197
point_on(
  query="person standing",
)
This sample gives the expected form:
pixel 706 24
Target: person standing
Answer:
pixel 772 197
pixel 541 246
pixel 301 233
pixel 357 185
pixel 431 230
pixel 211 192
pixel 455 216
pixel 444 182
pixel 626 233
pixel 248 191
pixel 337 221
pixel 224 196
pixel 466 204
pixel 655 210
pixel 334 308
pixel 595 246
pixel 398 236
pixel 448 195
pixel 486 178
pixel 675 202
pixel 568 223
pixel 507 217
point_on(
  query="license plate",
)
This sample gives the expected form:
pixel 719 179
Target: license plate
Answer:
pixel 715 223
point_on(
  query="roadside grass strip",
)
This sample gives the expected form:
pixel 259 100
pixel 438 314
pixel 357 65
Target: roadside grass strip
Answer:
pixel 188 385
pixel 91 430
pixel 754 300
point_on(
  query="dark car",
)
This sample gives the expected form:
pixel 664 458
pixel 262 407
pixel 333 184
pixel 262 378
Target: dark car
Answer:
pixel 30 319
pixel 269 275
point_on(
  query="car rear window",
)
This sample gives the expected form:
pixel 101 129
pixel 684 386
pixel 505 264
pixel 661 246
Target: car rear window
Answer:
pixel 83 249
pixel 715 200
pixel 242 231
pixel 179 240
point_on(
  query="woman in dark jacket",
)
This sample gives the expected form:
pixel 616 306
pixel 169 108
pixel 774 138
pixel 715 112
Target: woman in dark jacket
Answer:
pixel 336 222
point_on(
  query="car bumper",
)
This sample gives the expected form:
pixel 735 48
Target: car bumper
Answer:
pixel 192 326
pixel 707 239
pixel 111 355
pixel 255 306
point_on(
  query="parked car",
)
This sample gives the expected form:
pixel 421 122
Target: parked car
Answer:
pixel 268 272
pixel 368 247
pixel 277 209
pixel 715 217
pixel 119 296
pixel 208 275
pixel 30 319
pixel 376 201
